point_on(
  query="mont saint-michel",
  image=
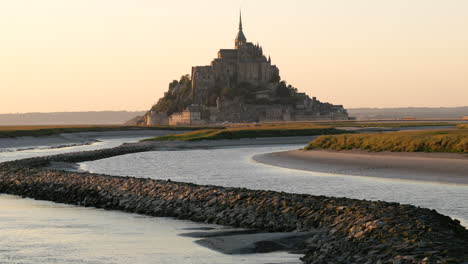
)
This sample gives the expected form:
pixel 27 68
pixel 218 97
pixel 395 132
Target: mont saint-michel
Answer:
pixel 230 165
pixel 240 85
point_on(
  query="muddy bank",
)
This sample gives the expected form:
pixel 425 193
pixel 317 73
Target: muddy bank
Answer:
pixel 128 148
pixel 74 139
pixel 357 231
pixel 259 243
pixel 435 167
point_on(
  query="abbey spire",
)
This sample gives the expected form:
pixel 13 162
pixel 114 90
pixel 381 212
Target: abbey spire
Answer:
pixel 240 21
pixel 240 39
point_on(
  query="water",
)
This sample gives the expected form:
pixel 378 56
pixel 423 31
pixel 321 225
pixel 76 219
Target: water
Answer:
pixel 45 232
pixel 234 167
pixel 28 147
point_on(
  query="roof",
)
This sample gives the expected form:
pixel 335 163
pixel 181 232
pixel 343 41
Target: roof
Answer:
pixel 241 36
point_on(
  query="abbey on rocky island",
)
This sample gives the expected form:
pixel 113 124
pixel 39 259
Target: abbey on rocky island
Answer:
pixel 241 85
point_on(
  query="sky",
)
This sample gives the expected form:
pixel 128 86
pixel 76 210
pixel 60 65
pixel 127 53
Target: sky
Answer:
pixel 91 55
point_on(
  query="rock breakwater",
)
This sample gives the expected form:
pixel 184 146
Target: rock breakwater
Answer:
pixel 358 231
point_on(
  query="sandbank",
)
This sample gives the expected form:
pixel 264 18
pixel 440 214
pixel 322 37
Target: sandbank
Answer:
pixel 435 167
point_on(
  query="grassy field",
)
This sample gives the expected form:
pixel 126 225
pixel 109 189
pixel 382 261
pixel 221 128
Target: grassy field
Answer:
pixel 253 131
pixel 284 129
pixel 346 124
pixel 354 124
pixel 455 141
pixel 38 131
pixel 276 129
pixel 390 124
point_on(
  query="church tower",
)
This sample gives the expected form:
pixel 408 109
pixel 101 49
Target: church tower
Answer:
pixel 240 39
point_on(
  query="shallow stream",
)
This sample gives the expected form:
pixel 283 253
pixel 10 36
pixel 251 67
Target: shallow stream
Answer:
pixel 45 232
pixel 234 167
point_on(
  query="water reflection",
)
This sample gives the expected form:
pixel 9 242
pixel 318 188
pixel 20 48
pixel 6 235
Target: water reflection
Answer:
pixel 234 167
pixel 44 232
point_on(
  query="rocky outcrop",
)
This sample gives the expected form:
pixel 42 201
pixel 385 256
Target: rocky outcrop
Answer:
pixel 358 231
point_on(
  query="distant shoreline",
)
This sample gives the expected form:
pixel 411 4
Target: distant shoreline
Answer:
pixel 433 167
pixel 118 117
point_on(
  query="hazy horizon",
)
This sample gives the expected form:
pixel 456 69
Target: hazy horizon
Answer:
pixel 145 110
pixel 114 55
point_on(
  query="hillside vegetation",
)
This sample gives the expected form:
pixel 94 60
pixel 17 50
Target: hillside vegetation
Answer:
pixel 455 141
pixel 180 95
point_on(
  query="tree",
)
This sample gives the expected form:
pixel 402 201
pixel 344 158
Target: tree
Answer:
pixel 176 102
pixel 282 90
pixel 275 78
pixel 185 79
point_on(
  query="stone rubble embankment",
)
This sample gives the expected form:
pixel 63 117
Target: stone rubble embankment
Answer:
pixel 358 231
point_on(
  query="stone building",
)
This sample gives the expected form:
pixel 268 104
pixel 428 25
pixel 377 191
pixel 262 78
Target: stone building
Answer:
pixel 154 118
pixel 243 67
pixel 246 63
pixel 192 115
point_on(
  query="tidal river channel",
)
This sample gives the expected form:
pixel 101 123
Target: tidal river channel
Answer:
pixel 234 167
pixel 45 232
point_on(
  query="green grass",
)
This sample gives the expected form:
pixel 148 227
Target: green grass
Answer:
pixel 238 133
pixel 283 129
pixel 364 124
pixel 388 124
pixel 294 128
pixel 39 131
pixel 455 141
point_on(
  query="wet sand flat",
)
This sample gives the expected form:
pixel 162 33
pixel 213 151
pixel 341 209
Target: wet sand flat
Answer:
pixel 435 167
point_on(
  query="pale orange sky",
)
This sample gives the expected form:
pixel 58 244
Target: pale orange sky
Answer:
pixel 83 55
